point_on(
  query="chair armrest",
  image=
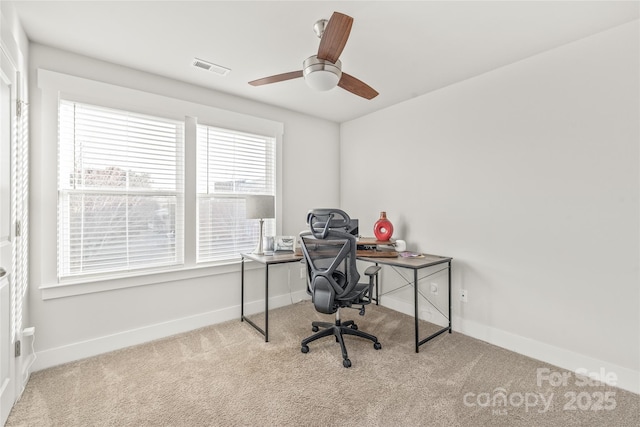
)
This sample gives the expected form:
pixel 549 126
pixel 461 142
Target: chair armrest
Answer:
pixel 372 271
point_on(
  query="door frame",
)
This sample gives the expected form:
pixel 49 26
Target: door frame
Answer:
pixel 8 333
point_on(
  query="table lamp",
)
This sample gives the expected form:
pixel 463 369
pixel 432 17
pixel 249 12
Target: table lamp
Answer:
pixel 260 207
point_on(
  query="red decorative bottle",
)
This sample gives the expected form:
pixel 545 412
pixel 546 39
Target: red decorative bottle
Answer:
pixel 383 229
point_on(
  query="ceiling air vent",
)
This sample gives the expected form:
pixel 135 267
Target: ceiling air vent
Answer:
pixel 205 65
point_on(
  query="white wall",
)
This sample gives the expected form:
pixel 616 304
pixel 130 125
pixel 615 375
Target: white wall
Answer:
pixel 79 326
pixel 528 176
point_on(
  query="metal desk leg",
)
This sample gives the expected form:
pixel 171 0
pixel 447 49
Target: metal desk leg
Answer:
pixel 449 296
pixel 446 328
pixel 266 303
pixel 264 332
pixel 415 304
pixel 242 291
pixel 377 289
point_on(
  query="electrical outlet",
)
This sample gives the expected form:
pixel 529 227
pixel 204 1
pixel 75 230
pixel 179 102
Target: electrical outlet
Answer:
pixel 434 288
pixel 464 295
pixel 303 273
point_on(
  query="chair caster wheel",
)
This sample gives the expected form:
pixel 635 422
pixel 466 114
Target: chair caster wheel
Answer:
pixel 346 363
pixel 315 329
pixel 377 345
pixel 354 327
pixel 304 349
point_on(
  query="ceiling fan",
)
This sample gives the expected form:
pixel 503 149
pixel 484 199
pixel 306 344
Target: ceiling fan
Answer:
pixel 324 70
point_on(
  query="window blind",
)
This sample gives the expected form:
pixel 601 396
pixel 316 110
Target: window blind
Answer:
pixel 231 165
pixel 20 181
pixel 121 190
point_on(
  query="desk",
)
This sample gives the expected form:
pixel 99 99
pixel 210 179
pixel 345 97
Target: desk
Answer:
pixel 416 264
pixel 267 260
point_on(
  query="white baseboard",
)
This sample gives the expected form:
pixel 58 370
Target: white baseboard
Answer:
pixel 619 376
pixel 81 350
pixel 624 378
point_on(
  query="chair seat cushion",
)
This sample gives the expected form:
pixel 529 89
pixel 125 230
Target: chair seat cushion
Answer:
pixel 357 293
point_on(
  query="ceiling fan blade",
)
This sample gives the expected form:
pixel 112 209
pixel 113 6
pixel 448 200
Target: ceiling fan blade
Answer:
pixel 335 37
pixel 277 78
pixel 357 87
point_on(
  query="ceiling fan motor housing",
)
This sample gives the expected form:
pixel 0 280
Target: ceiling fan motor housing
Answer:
pixel 320 74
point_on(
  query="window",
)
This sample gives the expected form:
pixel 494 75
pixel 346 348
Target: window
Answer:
pixel 134 204
pixel 231 166
pixel 120 190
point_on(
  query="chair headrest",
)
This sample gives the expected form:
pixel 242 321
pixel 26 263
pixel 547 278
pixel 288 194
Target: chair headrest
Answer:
pixel 322 220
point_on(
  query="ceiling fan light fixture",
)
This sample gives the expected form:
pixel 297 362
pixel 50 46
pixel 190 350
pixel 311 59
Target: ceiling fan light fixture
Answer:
pixel 320 74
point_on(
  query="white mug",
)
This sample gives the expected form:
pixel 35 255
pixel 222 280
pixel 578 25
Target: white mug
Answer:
pixel 401 246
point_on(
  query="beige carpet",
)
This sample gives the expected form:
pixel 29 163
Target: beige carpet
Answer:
pixel 226 375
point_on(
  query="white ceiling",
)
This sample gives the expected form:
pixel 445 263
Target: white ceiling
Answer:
pixel 401 49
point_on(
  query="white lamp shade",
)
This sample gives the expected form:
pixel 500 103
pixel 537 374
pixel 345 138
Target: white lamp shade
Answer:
pixel 259 207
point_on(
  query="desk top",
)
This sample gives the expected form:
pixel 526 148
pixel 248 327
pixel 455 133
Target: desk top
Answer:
pixel 426 260
pixel 276 258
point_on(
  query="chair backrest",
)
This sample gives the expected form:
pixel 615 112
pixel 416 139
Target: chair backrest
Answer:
pixel 330 255
pixel 320 221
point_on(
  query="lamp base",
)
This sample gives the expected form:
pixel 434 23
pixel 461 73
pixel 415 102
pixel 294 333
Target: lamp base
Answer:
pixel 259 249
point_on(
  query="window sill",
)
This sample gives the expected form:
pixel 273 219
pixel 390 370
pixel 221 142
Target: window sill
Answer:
pixel 88 285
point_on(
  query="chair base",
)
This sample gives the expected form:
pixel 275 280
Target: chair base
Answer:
pixel 338 329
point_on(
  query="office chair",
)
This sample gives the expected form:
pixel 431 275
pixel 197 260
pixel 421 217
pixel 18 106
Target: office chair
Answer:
pixel 332 277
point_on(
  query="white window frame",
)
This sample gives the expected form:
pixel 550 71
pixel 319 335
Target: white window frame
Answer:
pixel 68 190
pixel 206 193
pixel 56 85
